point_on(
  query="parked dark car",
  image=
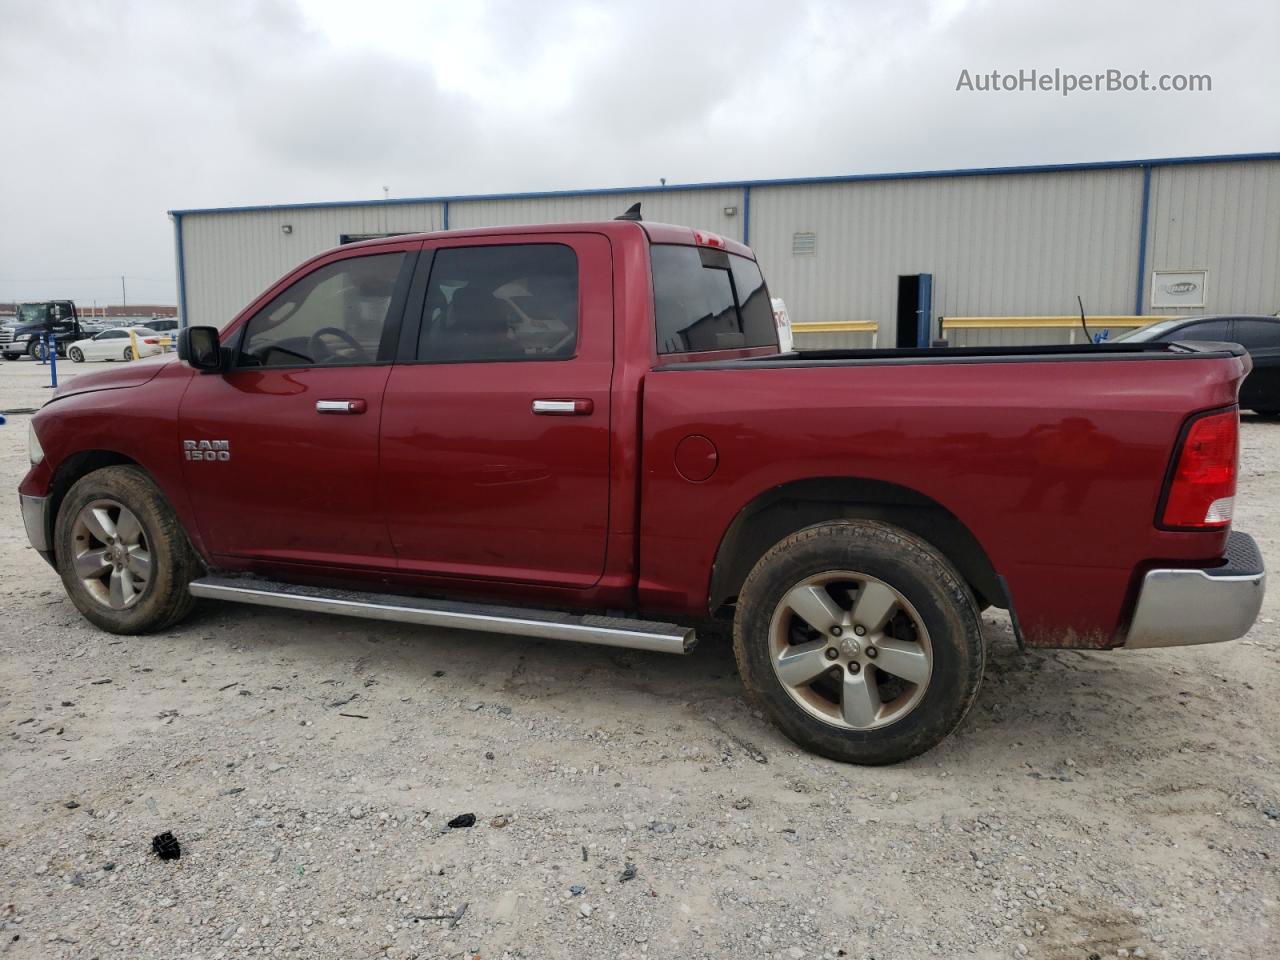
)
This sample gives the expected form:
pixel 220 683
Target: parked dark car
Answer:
pixel 1260 391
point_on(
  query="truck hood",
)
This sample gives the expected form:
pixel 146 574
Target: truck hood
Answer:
pixel 132 374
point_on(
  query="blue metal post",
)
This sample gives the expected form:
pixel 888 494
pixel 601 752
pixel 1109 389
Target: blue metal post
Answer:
pixel 1142 240
pixel 44 349
pixel 52 349
pixel 179 256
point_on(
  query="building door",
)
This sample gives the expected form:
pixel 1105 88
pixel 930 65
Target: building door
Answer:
pixel 915 308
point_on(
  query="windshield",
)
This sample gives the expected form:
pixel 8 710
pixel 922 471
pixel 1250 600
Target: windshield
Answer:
pixel 33 313
pixel 1152 331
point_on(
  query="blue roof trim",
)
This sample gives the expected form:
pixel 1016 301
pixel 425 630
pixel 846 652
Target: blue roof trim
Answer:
pixel 742 184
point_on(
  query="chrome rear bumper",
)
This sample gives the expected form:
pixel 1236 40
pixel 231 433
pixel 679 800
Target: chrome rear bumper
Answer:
pixel 1180 607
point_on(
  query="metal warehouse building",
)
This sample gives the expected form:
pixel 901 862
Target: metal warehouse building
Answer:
pixel 994 255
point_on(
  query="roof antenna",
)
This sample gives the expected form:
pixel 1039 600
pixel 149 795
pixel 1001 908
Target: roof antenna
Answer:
pixel 1087 337
pixel 633 213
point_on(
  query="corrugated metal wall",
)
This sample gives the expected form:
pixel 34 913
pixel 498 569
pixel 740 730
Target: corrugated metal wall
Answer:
pixel 1015 245
pixel 1015 337
pixel 231 257
pixel 1223 218
pixel 696 208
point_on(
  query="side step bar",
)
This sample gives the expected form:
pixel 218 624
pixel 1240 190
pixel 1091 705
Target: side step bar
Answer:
pixel 542 624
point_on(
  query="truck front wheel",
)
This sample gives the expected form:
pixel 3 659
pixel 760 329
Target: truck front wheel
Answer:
pixel 861 641
pixel 122 553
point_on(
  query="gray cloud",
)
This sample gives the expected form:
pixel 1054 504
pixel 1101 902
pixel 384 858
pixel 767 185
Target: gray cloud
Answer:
pixel 116 112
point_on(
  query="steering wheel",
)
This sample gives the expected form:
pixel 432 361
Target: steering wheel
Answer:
pixel 321 353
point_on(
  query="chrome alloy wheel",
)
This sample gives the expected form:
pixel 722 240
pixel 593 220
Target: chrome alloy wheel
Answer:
pixel 112 558
pixel 850 650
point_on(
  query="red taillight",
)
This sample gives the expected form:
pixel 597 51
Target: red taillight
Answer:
pixel 151 340
pixel 705 238
pixel 1203 486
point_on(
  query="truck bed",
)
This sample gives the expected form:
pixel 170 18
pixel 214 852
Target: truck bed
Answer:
pixel 1052 458
pixel 1048 353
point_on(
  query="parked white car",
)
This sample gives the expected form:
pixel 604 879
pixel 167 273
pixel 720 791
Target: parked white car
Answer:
pixel 115 345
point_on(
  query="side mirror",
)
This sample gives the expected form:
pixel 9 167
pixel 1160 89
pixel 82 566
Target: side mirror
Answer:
pixel 199 348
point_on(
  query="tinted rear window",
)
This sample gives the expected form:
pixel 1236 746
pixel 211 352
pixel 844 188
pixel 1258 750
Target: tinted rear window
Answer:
pixel 709 300
pixel 1204 330
pixel 758 325
pixel 1258 334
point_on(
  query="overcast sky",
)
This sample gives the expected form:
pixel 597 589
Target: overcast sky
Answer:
pixel 115 112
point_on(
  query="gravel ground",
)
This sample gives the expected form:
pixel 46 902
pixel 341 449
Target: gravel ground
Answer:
pixel 1108 804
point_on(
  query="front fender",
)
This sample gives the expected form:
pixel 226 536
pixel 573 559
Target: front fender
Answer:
pixel 84 431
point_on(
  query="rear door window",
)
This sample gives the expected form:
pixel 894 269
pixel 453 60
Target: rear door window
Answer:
pixel 708 299
pixel 501 302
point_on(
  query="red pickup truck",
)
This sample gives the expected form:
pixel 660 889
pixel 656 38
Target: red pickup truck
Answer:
pixel 587 432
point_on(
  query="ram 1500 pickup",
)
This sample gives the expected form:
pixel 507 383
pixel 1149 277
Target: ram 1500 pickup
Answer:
pixel 587 432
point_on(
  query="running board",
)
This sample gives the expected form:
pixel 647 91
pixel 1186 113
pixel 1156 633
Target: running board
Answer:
pixel 542 624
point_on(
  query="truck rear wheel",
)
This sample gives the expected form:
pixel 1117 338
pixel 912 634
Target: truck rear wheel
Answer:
pixel 122 554
pixel 861 641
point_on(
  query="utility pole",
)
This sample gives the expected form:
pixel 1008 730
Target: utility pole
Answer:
pixel 124 297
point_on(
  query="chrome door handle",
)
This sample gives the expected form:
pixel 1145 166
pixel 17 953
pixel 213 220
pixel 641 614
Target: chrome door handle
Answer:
pixel 340 406
pixel 563 408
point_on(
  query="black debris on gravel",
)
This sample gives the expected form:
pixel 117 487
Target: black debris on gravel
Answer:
pixel 166 846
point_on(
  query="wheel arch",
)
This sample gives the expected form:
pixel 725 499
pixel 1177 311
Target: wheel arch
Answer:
pixel 782 510
pixel 72 468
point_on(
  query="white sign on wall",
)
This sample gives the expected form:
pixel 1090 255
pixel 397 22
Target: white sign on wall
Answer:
pixel 1178 288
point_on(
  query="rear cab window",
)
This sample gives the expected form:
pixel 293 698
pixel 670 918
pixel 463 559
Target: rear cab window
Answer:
pixel 706 299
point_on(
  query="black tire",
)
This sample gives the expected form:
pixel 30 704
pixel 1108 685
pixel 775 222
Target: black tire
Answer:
pixel 128 353
pixel 77 355
pixel 35 350
pixel 909 566
pixel 164 600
